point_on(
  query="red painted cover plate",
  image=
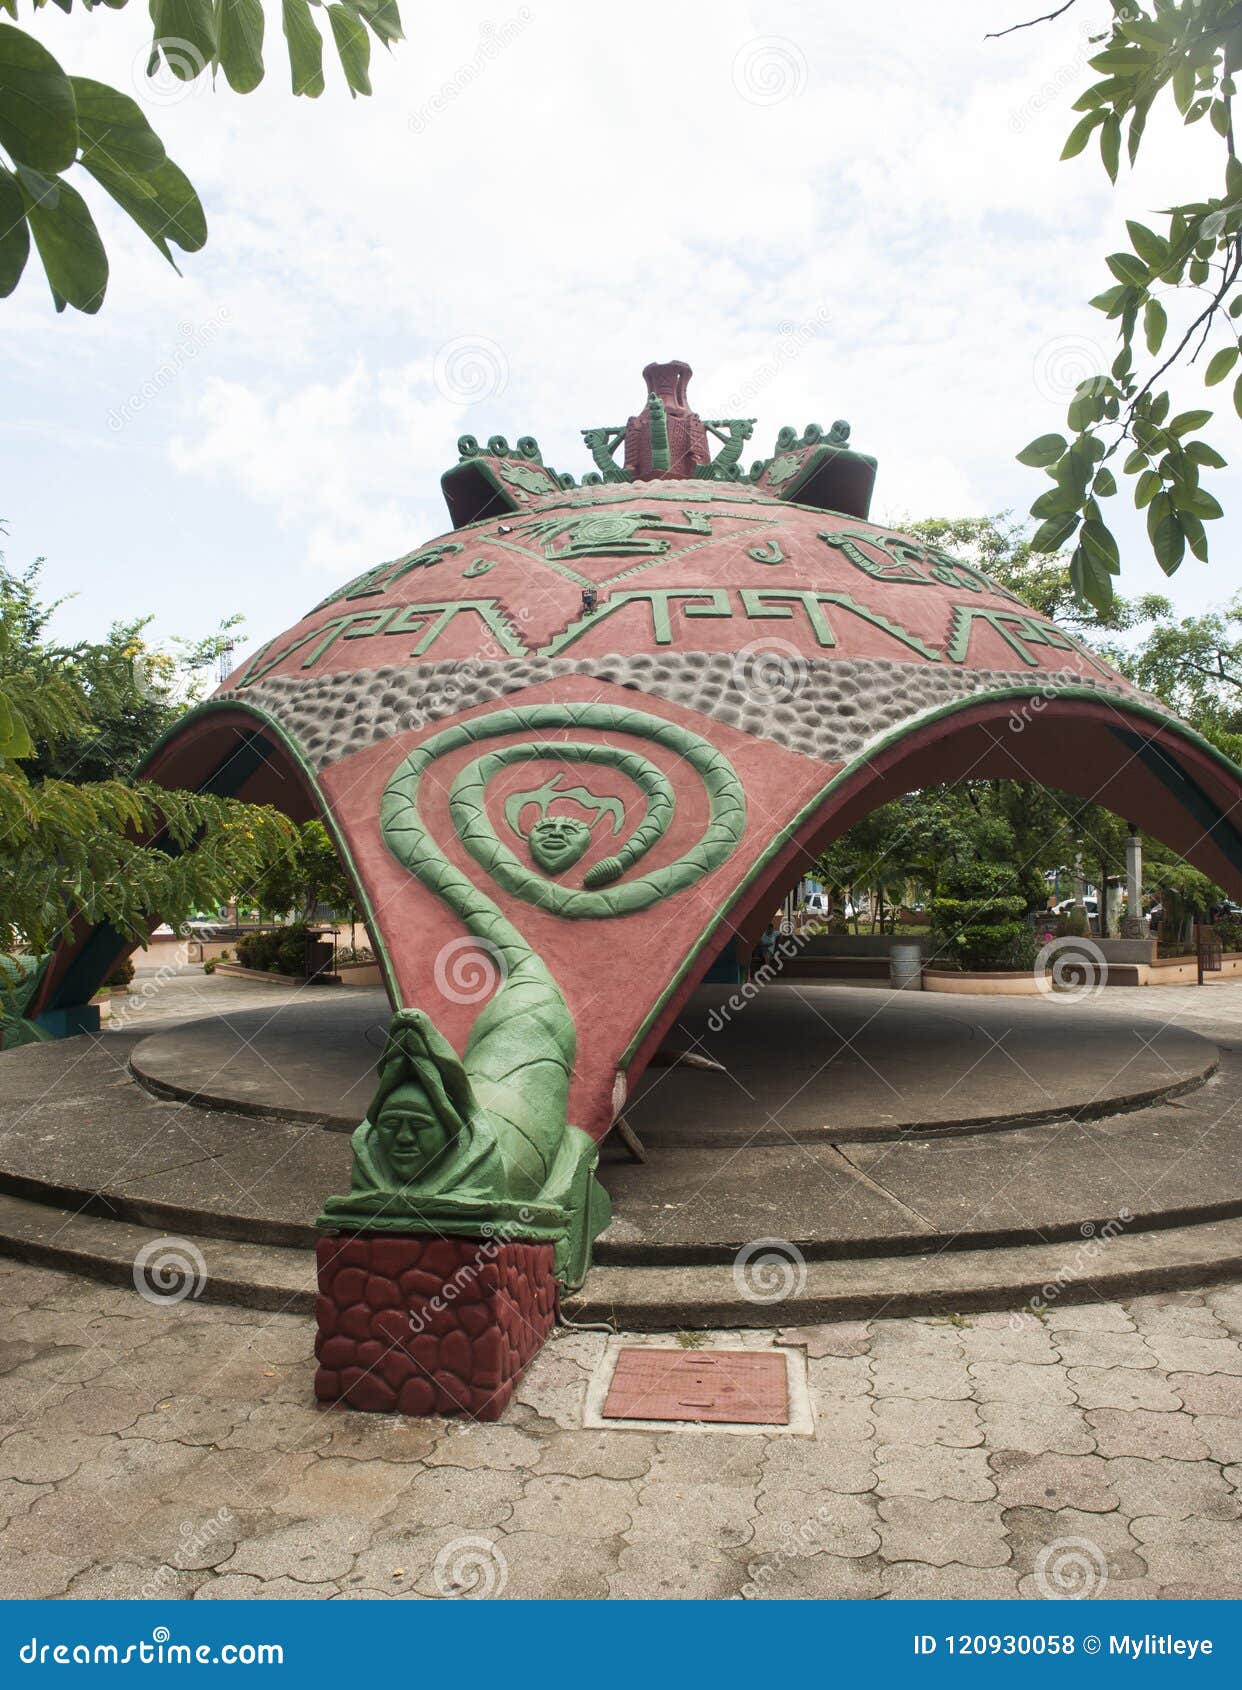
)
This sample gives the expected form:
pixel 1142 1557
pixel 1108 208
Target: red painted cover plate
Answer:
pixel 742 1387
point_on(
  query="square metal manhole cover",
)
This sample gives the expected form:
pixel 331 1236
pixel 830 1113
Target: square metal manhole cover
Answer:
pixel 740 1387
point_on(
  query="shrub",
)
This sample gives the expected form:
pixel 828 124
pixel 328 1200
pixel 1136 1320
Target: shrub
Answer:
pixel 979 920
pixel 122 974
pixel 279 951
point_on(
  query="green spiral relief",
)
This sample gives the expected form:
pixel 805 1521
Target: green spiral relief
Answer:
pixel 499 1148
pixel 408 839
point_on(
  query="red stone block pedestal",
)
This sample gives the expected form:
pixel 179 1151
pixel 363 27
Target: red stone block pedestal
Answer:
pixel 429 1325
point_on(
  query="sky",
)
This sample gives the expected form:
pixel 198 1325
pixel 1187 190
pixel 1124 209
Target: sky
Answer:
pixel 827 210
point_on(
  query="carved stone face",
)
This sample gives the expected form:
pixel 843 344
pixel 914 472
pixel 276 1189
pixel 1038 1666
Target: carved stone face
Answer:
pixel 409 1138
pixel 557 842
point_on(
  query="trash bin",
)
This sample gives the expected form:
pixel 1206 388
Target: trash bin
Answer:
pixel 905 967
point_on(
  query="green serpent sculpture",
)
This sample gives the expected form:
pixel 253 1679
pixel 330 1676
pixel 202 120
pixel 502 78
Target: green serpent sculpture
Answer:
pixel 483 1143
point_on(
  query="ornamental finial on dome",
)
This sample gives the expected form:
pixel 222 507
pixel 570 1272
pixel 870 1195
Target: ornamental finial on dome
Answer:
pixel 666 440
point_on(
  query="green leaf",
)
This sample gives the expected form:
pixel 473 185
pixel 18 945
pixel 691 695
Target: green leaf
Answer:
pixel 354 47
pixel 1155 322
pixel 1203 505
pixel 69 245
pixel 1057 501
pixel 185 35
pixel 112 127
pixel 1146 488
pixel 162 203
pixel 1105 484
pixel 1052 535
pixel 1220 366
pixel 1090 578
pixel 1188 422
pixel 1196 539
pixel 305 48
pixel 14 238
pixel 1128 269
pixel 241 43
pixel 1168 538
pixel 1113 300
pixel 38 120
pixel 1153 249
pixel 1135 462
pixel 1110 144
pixel 1201 453
pixel 1041 452
pixel 1080 134
pixel 383 18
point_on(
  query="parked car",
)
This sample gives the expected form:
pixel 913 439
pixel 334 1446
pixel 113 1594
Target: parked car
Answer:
pixel 1091 907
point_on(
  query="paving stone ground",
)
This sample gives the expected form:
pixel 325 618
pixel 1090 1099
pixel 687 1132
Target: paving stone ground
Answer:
pixel 173 1450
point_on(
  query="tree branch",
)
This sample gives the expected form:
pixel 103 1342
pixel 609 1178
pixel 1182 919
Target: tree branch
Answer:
pixel 1048 17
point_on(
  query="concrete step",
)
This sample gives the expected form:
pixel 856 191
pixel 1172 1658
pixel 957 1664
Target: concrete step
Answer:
pixel 662 1298
pixel 220 1270
pixel 650 1299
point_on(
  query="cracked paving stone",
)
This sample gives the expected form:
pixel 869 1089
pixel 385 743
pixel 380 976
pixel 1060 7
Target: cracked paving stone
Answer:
pixel 1103 1349
pixel 191 1422
pixel 400 1559
pixel 920 1377
pixel 35 1573
pixel 598 1455
pixel 381 1437
pixel 1122 1387
pixel 471 1498
pixel 555 1387
pixel 279 1425
pixel 477 1444
pixel 851 1419
pixel 1177 1490
pixel 1028 1384
pixel 972 1533
pixel 902 1340
pixel 1225 1302
pixel 310 1551
pixel 934 1472
pixel 39 1460
pixel 16 1499
pixel 1082 1482
pixel 679 1511
pixel 543 1567
pixel 839 1338
pixel 1179 1551
pixel 1111 1553
pixel 364 1490
pixel 1004 1344
pixel 1178 1313
pixel 242 1478
pixel 812 1464
pixel 822 1577
pixel 796 1521
pixel 845 1376
pixel 1180 1353
pixel 646 1573
pixel 1038 1430
pixel 590 1508
pixel 1089 1317
pixel 903 1420
pixel 127 1581
pixel 1221 1433
pixel 915 1581
pixel 1208 1393
pixel 1138 1431
pixel 692 1455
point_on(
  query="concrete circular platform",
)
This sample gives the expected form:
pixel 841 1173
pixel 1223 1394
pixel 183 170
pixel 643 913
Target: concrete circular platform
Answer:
pixel 804 1063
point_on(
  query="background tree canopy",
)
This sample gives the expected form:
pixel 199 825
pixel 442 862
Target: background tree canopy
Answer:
pixel 52 123
pixel 1174 296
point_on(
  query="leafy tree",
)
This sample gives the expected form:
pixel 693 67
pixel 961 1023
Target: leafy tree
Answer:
pixel 306 873
pixel 51 122
pixel 1175 297
pixel 1195 666
pixel 99 850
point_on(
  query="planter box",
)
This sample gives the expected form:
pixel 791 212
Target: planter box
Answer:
pixel 1019 983
pixel 359 974
pixel 235 969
